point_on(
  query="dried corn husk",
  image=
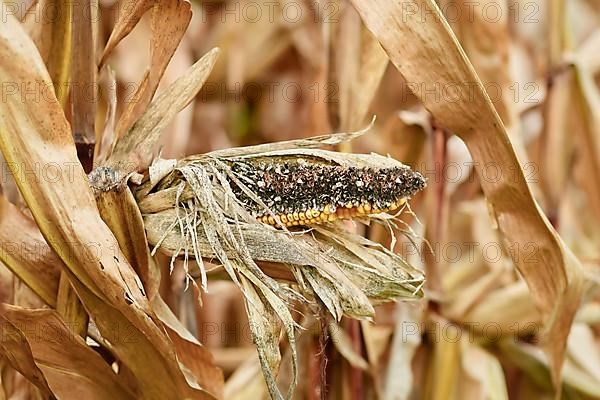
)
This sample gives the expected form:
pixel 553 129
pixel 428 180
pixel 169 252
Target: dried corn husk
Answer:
pixel 190 210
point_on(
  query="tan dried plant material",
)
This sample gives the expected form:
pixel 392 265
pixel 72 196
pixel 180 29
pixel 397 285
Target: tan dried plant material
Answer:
pixel 202 207
pixel 22 250
pixel 49 24
pixel 36 131
pixel 425 51
pixel 169 22
pixel 39 355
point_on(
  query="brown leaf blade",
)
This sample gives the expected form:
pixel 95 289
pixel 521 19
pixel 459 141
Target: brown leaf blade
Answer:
pixel 49 25
pixel 135 150
pixel 423 48
pixel 78 373
pixel 14 347
pixel 24 251
pixel 170 19
pixel 35 134
pixel 126 22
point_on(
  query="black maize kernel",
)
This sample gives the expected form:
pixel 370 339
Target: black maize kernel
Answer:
pixel 302 193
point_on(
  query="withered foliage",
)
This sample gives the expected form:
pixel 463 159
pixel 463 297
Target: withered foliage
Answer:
pixel 138 261
pixel 191 208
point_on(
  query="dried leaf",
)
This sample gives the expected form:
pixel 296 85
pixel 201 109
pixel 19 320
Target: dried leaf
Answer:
pixel 170 19
pixel 66 213
pixel 24 250
pixel 127 21
pixel 343 344
pixel 80 372
pixel 399 380
pixel 360 63
pixel 15 349
pixel 49 25
pixel 120 213
pixel 427 51
pixel 588 101
pixel 485 372
pixel 134 151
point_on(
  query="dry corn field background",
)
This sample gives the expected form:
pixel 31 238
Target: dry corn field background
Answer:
pixel 300 199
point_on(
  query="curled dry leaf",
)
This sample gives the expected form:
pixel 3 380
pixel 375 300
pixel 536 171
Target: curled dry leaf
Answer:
pixel 124 25
pixel 25 252
pixel 360 63
pixel 170 19
pixel 425 51
pixel 14 347
pixel 134 151
pixel 35 341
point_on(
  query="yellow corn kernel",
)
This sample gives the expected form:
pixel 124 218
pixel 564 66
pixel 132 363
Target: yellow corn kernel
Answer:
pixel 283 218
pixel 295 216
pixel 271 220
pixel 301 216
